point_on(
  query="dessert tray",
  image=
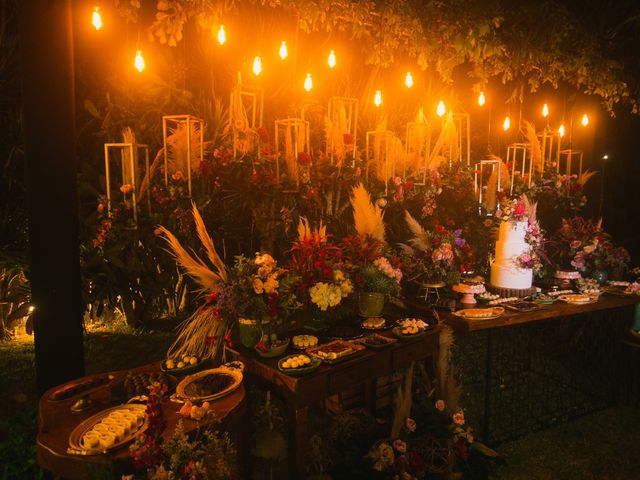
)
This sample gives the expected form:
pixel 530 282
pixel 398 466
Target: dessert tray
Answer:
pixel 523 306
pixel 376 323
pixel 189 366
pixel 298 365
pixel 276 349
pixel 376 341
pixel 578 298
pixel 209 384
pixel 108 430
pixel 335 351
pixel 479 313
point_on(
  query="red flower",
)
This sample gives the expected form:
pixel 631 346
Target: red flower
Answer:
pixel 261 346
pixel 227 338
pixel 212 297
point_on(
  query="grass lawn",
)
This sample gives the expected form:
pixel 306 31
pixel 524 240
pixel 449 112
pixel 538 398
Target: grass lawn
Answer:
pixel 599 446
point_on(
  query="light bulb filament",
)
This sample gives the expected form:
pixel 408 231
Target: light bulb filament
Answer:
pixel 96 18
pixel 139 61
pixel 222 35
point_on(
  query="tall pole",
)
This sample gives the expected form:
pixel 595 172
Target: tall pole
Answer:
pixel 46 41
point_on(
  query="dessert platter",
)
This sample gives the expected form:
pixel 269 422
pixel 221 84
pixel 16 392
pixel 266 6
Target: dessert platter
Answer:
pixel 274 348
pixel 375 323
pixel 209 384
pixel 182 365
pixel 376 341
pixel 298 365
pixel 479 313
pixel 335 351
pixel 302 342
pixel 410 328
pixel 135 386
pixel 107 430
pixel 578 298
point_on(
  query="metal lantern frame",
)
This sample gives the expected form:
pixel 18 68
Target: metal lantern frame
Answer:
pixel 568 156
pixel 191 121
pixel 134 158
pixel 549 146
pixel 351 109
pixel 478 179
pixel 462 121
pixel 517 152
pixel 298 126
pixel 388 147
pixel 252 100
pixel 413 129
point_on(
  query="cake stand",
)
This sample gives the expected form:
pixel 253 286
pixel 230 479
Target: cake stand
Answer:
pixel 468 292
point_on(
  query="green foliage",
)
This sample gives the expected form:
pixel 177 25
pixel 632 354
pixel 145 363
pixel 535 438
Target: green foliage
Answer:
pixel 18 450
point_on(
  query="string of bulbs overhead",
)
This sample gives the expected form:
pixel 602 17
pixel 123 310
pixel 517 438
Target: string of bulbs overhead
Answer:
pixel 283 53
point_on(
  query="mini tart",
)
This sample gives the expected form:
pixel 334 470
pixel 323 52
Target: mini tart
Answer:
pixel 374 322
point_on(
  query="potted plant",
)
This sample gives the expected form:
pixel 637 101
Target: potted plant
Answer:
pixel 377 281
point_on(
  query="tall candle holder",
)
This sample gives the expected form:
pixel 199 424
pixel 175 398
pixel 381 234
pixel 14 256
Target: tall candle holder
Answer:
pixel 342 113
pixel 194 128
pixel 517 156
pixel 481 185
pixel 294 132
pixel 246 109
pixel 381 151
pixel 417 147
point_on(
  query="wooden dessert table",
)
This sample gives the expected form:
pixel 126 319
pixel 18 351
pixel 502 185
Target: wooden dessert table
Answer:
pixel 300 393
pixel 56 422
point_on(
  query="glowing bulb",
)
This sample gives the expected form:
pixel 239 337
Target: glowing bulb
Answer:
pixel 283 50
pixel 481 99
pixel 408 80
pixel 585 120
pixel 507 123
pixel 96 18
pixel 222 35
pixel 32 308
pixel 377 98
pixel 331 61
pixel 561 130
pixel 308 83
pixel 139 61
pixel 441 110
pixel 545 110
pixel 257 65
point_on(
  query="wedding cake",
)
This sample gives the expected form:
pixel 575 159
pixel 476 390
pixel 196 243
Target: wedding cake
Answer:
pixel 511 244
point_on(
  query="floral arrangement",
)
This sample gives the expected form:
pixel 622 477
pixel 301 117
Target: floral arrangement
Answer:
pixel 381 276
pixel 512 209
pixel 536 257
pixel 264 290
pixel 325 295
pixel 438 254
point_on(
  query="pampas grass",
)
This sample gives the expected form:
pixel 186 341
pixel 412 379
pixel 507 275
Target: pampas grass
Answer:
pixel 402 401
pixel 201 335
pixel 450 391
pixel 529 132
pixel 368 218
pixel 491 199
pixel 305 233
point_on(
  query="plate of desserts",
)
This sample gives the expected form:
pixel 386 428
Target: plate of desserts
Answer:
pixel 409 328
pixel 479 313
pixel 579 298
pixel 335 351
pixel 298 365
pixel 375 323
pixel 107 430
pixel 376 341
pixel 209 384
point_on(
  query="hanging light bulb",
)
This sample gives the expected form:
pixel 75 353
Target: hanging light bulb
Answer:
pixel 561 130
pixel 545 110
pixel 283 50
pixel 96 18
pixel 308 83
pixel 222 35
pixel 377 98
pixel 507 123
pixel 481 99
pixel 331 60
pixel 441 110
pixel 585 120
pixel 408 80
pixel 257 65
pixel 139 61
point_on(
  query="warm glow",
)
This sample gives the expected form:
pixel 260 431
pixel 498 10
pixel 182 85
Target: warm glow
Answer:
pixel 96 18
pixel 283 50
pixel 139 61
pixel 507 123
pixel 308 83
pixel 561 130
pixel 441 110
pixel 222 35
pixel 331 61
pixel 377 99
pixel 257 65
pixel 585 120
pixel 408 80
pixel 545 110
pixel 481 99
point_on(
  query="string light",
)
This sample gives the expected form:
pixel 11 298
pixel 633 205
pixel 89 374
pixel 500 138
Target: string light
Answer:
pixel 308 83
pixel 545 110
pixel 561 130
pixel 481 99
pixel 283 50
pixel 222 35
pixel 96 18
pixel 507 123
pixel 441 110
pixel 331 60
pixel 408 80
pixel 377 98
pixel 139 61
pixel 585 120
pixel 257 65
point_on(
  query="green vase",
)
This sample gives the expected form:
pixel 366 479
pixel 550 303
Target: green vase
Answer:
pixel 249 332
pixel 371 304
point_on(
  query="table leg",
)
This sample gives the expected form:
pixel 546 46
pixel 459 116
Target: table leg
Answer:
pixel 298 439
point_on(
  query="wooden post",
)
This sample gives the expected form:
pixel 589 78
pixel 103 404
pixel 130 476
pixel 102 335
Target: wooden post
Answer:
pixel 46 41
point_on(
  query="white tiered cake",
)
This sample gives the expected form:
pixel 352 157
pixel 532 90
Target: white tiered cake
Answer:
pixel 511 244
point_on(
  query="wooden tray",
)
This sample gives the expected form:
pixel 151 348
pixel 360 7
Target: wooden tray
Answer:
pixel 355 348
pixel 384 341
pixel 298 372
pixel 236 381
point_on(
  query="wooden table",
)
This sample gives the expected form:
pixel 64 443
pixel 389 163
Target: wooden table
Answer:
pixel 517 363
pixel 300 393
pixel 56 422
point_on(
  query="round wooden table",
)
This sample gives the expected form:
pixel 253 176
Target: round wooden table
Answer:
pixel 56 421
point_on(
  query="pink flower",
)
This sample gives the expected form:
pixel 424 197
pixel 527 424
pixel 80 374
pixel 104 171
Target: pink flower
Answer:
pixel 177 175
pixel 440 405
pixel 575 244
pixel 126 188
pixel 458 418
pixel 410 423
pixel 399 446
